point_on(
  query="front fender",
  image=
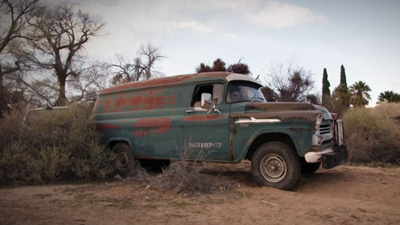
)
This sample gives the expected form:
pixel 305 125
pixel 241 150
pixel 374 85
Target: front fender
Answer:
pixel 298 137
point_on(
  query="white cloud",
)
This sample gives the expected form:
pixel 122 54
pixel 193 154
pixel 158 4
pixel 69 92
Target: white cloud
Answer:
pixel 233 36
pixel 132 23
pixel 283 15
pixel 195 25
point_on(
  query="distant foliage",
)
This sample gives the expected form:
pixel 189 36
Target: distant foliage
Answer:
pixel 203 68
pixel 219 65
pixel 388 97
pixel 289 84
pixel 326 91
pixel 44 146
pixel 340 98
pixel 343 79
pixel 141 68
pixel 373 134
pixel 359 94
pixel 240 68
pixel 269 94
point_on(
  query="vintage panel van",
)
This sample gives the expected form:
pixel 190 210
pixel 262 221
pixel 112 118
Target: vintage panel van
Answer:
pixel 218 117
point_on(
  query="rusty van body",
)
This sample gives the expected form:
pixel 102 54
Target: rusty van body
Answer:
pixel 219 117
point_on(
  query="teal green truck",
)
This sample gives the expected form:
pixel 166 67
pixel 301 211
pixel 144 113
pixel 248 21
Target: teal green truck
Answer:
pixel 218 117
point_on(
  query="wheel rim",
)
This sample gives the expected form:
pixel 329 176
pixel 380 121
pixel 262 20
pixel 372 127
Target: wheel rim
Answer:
pixel 273 168
pixel 122 161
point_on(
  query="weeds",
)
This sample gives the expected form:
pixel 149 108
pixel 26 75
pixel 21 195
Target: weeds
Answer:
pixel 373 134
pixel 182 176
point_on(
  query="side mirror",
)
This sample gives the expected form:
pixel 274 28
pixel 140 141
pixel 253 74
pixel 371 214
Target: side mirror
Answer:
pixel 205 101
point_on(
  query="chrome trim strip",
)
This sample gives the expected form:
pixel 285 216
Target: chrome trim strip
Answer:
pixel 254 120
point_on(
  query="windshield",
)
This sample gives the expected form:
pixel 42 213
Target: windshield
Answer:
pixel 241 91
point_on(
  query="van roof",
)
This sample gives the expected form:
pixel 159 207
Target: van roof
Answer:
pixel 180 79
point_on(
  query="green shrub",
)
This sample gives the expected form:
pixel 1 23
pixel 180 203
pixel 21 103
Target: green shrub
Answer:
pixel 44 146
pixel 17 166
pixel 373 134
pixel 11 127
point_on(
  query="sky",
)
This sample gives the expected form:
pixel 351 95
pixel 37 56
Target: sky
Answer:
pixel 362 35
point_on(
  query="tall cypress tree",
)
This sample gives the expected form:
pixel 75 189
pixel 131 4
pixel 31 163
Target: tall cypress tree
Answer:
pixel 340 96
pixel 326 92
pixel 343 76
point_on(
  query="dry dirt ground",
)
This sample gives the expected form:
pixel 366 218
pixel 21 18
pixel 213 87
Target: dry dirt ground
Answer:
pixel 343 195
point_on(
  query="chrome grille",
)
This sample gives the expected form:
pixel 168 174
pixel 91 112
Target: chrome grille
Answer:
pixel 325 128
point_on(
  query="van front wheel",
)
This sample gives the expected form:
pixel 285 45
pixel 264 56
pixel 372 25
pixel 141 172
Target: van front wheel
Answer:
pixel 124 161
pixel 275 164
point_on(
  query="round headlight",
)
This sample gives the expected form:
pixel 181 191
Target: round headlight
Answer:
pixel 318 121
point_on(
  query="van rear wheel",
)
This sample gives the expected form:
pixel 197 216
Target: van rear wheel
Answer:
pixel 125 163
pixel 275 164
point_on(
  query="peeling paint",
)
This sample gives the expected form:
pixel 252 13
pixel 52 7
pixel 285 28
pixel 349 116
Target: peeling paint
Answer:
pixel 144 103
pixel 107 126
pixel 174 80
pixel 278 106
pixel 231 150
pixel 154 125
pixel 203 117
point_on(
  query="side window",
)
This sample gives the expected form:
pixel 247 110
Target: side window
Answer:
pixel 200 89
pixel 216 91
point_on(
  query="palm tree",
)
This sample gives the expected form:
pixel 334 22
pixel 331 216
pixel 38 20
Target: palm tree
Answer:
pixel 388 96
pixel 359 95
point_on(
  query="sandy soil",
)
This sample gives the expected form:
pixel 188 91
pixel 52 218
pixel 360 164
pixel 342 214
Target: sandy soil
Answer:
pixel 343 195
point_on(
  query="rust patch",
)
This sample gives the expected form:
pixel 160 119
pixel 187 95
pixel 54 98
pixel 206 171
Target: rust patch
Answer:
pixel 148 83
pixel 138 133
pixel 203 118
pixel 144 102
pixel 163 81
pixel 107 126
pixel 231 150
pixel 278 106
pixel 155 125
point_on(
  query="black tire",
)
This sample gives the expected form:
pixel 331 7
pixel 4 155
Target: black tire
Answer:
pixel 310 168
pixel 275 164
pixel 125 163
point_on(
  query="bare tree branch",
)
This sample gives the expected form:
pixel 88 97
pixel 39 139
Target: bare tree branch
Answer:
pixel 142 67
pixel 17 14
pixel 60 33
pixel 290 83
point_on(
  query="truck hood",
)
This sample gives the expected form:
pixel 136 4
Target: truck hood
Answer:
pixel 254 107
pixel 277 106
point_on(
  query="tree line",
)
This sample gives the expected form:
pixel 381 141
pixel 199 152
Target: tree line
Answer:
pixel 292 83
pixel 42 62
pixel 356 95
pixel 41 55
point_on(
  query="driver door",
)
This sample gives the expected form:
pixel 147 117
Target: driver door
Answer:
pixel 206 129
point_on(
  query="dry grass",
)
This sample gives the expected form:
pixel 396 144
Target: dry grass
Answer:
pixel 182 176
pixel 373 134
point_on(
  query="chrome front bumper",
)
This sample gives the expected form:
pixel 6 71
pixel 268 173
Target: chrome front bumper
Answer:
pixel 334 155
